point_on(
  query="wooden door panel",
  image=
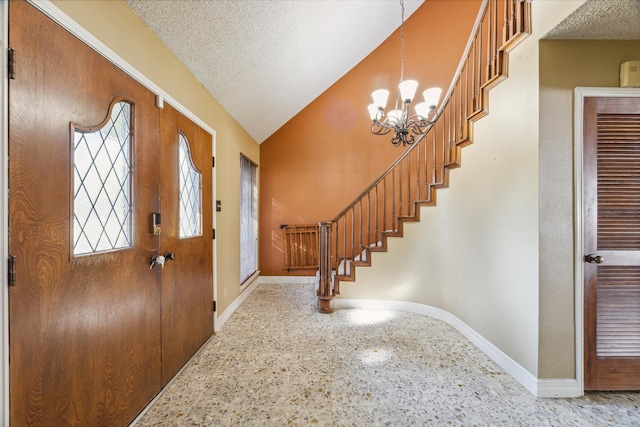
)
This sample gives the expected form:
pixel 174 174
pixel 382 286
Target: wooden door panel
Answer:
pixel 84 331
pixel 187 281
pixel 612 231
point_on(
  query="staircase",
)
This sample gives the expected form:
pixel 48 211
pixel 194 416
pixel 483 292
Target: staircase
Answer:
pixel 395 197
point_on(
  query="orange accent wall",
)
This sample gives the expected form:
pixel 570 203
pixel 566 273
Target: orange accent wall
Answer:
pixel 325 156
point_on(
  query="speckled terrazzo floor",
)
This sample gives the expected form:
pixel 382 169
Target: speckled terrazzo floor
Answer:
pixel 278 362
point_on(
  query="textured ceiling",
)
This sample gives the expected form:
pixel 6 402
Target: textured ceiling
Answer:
pixel 265 60
pixel 601 20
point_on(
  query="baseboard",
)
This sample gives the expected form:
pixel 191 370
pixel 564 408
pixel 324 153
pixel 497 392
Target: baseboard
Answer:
pixel 524 377
pixel 305 280
pixel 222 318
pixel 558 387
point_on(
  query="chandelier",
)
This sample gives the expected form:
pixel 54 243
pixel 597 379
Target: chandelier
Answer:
pixel 406 127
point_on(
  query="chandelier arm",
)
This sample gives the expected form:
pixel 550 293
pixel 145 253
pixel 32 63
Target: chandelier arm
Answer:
pixel 409 139
pixel 398 139
pixel 419 118
pixel 378 128
pixel 417 127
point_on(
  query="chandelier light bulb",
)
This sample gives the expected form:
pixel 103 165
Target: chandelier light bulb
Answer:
pixel 408 90
pixel 432 96
pixel 380 98
pixel 373 111
pixel 394 117
pixel 423 110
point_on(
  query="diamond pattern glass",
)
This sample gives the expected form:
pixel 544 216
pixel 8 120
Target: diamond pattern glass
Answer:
pixel 190 192
pixel 102 185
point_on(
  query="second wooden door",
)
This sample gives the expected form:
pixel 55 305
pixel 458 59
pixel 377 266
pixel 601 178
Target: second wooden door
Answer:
pixel 612 243
pixel 186 207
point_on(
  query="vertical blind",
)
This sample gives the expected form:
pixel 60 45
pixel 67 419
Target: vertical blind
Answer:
pixel 248 219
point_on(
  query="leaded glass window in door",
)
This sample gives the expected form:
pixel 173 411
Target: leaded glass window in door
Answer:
pixel 102 184
pixel 190 192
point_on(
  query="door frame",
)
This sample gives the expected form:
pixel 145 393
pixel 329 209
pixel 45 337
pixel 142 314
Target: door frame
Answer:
pixel 580 93
pixel 81 33
pixel 4 206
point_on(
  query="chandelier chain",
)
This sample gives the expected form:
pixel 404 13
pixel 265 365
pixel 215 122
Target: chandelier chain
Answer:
pixel 402 41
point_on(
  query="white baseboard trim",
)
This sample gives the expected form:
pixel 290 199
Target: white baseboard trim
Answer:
pixel 225 315
pixel 287 279
pixel 558 387
pixel 539 388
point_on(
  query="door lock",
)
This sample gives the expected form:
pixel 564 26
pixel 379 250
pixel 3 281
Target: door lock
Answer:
pixel 155 223
pixel 594 259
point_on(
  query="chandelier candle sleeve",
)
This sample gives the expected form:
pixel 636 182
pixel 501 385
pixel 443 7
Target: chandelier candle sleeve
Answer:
pixel 432 97
pixel 408 90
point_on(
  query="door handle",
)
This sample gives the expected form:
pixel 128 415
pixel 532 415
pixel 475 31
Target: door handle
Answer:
pixel 594 259
pixel 157 260
pixel 161 259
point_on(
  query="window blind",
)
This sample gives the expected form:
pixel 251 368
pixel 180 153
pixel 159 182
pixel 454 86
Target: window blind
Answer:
pixel 248 218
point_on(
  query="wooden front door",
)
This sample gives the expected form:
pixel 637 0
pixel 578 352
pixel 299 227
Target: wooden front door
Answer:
pixel 187 286
pixel 612 243
pixel 94 332
pixel 85 336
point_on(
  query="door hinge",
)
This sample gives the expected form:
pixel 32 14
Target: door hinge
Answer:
pixel 213 162
pixel 11 63
pixel 215 306
pixel 11 270
pixel 214 234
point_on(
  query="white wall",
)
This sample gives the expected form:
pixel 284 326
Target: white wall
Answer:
pixel 476 254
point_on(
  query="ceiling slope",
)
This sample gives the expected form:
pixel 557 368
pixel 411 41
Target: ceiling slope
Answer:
pixel 265 60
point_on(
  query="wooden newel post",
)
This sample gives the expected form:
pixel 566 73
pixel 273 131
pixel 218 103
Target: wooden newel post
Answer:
pixel 325 288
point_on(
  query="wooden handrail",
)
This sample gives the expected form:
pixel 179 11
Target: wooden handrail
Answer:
pixel 391 199
pixel 447 96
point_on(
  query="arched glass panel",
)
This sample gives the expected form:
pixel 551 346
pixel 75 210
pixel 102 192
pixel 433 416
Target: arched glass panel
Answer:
pixel 102 184
pixel 190 192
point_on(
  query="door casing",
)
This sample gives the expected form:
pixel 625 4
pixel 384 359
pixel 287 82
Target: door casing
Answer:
pixel 580 93
pixel 53 12
pixel 4 207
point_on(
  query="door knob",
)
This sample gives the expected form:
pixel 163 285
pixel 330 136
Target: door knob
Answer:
pixel 594 259
pixel 157 260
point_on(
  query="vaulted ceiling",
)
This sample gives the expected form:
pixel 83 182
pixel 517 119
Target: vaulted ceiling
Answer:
pixel 265 60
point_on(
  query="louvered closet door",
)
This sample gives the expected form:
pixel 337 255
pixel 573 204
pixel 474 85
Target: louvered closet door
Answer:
pixel 612 243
